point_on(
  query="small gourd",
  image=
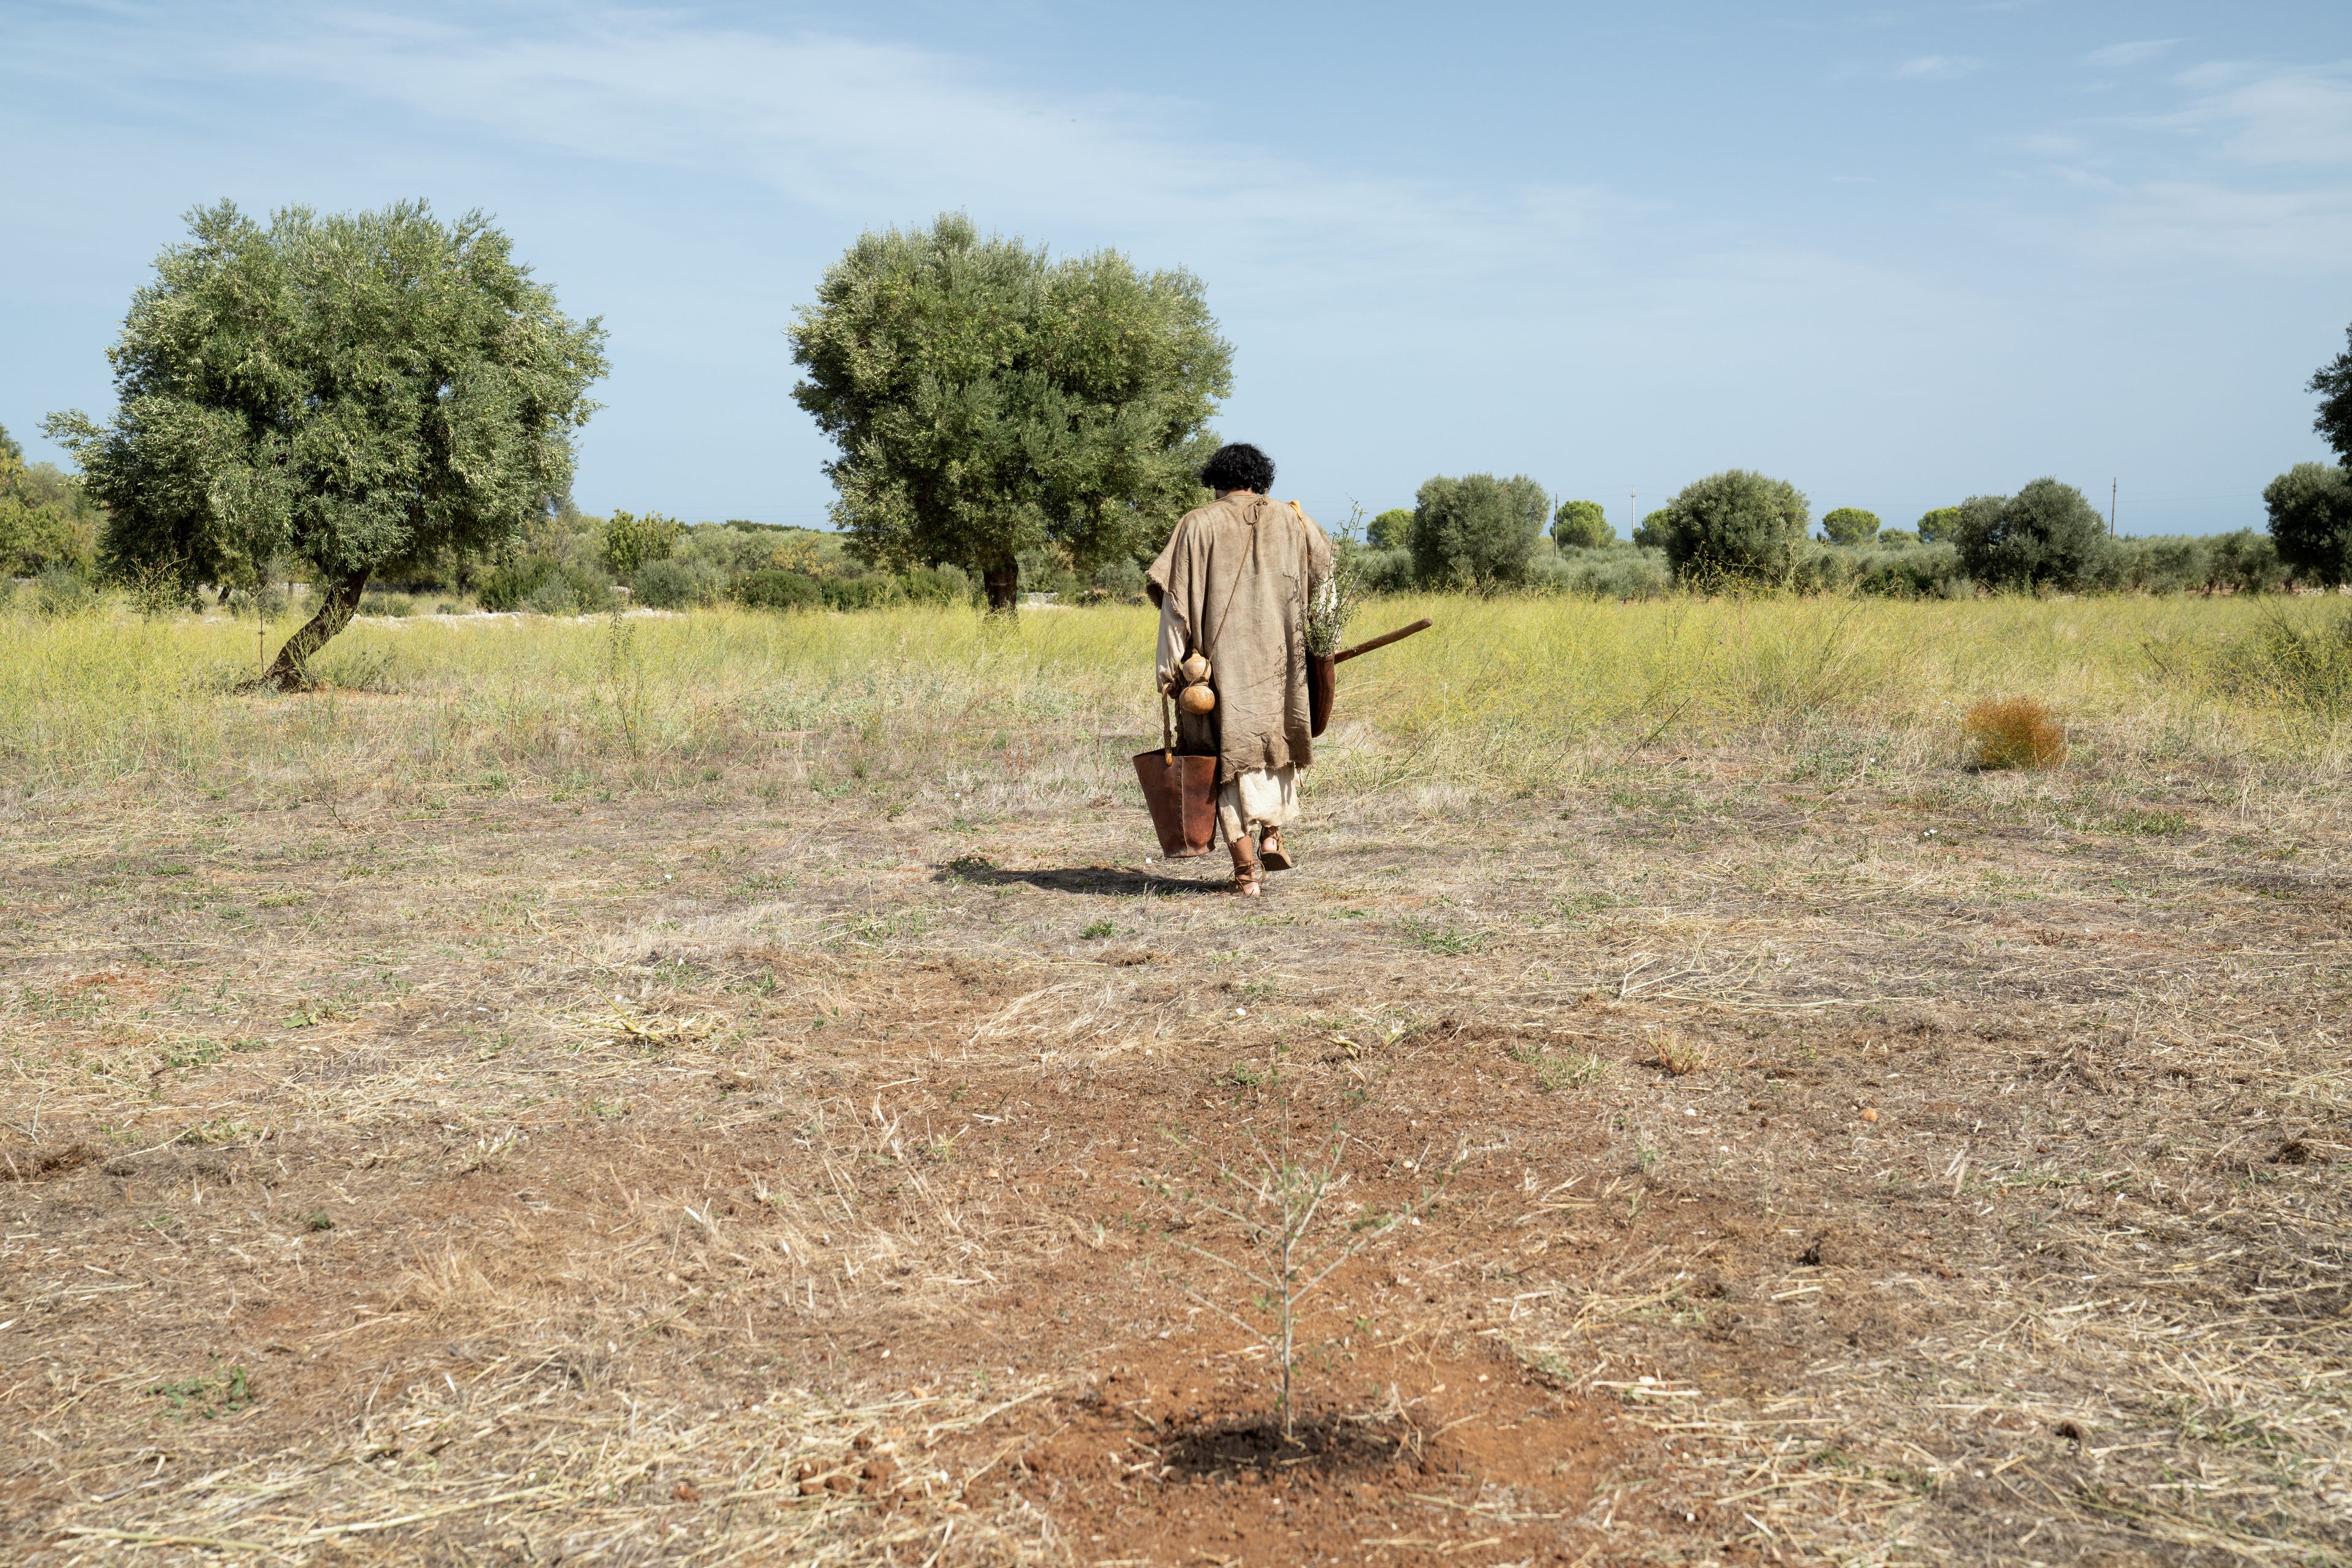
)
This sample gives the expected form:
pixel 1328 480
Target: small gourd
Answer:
pixel 1196 699
pixel 1195 669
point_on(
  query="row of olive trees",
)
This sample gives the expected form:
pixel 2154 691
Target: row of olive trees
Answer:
pixel 367 394
pixel 1735 527
pixel 1739 527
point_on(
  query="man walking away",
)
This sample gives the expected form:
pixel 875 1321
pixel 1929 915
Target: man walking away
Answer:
pixel 1233 585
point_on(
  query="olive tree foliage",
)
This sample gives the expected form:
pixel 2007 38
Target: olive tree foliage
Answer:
pixel 1476 531
pixel 2047 535
pixel 1582 525
pixel 2332 382
pixel 989 400
pixel 1850 525
pixel 1940 525
pixel 2310 510
pixel 1734 527
pixel 356 391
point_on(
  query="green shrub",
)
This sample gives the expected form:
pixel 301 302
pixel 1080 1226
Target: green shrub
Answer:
pixel 1911 571
pixel 1582 525
pixel 2047 535
pixel 953 584
pixel 2311 522
pixel 869 591
pixel 396 604
pixel 1735 527
pixel 631 542
pixel 2158 565
pixel 1608 573
pixel 1476 531
pixel 1392 530
pixel 1850 526
pixel 674 585
pixel 1896 536
pixel 1116 580
pixel 769 588
pixel 549 586
pixel 1650 533
pixel 1384 571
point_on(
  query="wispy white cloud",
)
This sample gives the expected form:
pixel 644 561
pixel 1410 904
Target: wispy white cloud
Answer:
pixel 876 130
pixel 2253 167
pixel 2296 230
pixel 2270 116
pixel 1938 68
pixel 2120 56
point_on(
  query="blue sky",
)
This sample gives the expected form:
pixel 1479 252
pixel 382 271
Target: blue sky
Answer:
pixel 1898 255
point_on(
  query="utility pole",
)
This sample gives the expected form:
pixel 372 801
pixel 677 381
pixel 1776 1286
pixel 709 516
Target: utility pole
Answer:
pixel 2112 485
pixel 1632 512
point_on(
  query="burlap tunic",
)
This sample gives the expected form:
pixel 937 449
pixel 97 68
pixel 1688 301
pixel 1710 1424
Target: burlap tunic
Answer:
pixel 1233 583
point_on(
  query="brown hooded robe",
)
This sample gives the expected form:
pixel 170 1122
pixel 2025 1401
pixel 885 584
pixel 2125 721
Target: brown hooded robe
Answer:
pixel 1236 577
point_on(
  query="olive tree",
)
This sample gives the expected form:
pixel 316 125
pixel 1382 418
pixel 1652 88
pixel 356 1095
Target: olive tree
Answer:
pixel 1582 525
pixel 2310 510
pixel 2332 382
pixel 1850 526
pixel 1940 525
pixel 356 391
pixel 1736 526
pixel 987 400
pixel 1476 531
pixel 2047 535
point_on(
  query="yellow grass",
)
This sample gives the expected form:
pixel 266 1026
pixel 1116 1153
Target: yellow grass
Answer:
pixel 1503 694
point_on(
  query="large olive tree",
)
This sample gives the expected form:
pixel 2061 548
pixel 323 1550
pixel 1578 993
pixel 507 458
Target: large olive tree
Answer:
pixel 354 391
pixel 989 400
pixel 2310 509
pixel 1734 527
pixel 2047 535
pixel 1476 531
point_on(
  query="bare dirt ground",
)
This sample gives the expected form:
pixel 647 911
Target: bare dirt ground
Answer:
pixel 780 1169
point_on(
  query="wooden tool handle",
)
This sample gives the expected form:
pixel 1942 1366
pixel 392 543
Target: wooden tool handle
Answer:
pixel 1399 634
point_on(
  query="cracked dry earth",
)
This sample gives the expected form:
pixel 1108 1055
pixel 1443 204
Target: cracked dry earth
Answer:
pixel 1924 1168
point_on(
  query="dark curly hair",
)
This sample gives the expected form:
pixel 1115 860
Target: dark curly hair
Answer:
pixel 1238 466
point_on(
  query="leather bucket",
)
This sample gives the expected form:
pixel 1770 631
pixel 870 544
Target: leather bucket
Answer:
pixel 1182 792
pixel 1322 690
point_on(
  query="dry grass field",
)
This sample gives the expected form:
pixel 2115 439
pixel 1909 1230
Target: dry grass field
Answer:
pixel 727 1089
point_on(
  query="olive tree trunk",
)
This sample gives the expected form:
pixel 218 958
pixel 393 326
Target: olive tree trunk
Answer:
pixel 290 671
pixel 1004 585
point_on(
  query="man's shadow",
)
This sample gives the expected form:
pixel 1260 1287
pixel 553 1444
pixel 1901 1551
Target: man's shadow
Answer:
pixel 1111 881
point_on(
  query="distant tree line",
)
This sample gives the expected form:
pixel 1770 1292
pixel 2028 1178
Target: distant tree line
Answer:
pixel 1741 531
pixel 383 404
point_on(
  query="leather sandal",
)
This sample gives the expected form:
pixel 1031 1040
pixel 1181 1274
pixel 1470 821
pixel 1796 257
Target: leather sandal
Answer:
pixel 1271 853
pixel 1249 878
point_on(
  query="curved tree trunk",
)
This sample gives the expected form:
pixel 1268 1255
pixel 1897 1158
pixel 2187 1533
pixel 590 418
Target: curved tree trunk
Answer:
pixel 1004 585
pixel 290 671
